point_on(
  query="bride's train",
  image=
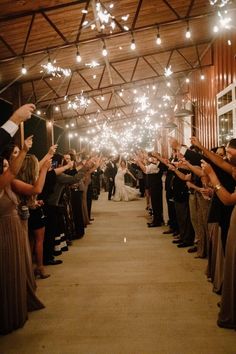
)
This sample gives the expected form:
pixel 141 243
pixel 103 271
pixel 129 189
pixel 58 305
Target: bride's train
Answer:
pixel 122 191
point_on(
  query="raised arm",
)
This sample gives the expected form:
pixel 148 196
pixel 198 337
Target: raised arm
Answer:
pixel 15 165
pixel 226 197
pixel 216 159
pixel 21 187
pixel 48 155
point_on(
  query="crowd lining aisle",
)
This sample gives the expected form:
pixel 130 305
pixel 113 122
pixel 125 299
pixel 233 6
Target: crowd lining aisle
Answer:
pixel 142 296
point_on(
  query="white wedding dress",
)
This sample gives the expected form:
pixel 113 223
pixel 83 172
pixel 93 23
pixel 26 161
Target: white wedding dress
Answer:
pixel 122 191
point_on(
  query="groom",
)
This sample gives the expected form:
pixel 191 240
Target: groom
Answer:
pixel 110 173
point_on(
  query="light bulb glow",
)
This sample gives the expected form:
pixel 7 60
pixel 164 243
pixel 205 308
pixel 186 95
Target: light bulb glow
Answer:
pixel 104 51
pixel 187 80
pixel 23 69
pixel 158 40
pixel 188 33
pixel 78 57
pixel 202 77
pixel 133 45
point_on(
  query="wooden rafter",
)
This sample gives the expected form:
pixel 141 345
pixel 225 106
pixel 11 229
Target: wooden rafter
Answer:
pixel 134 69
pixel 100 81
pixel 40 10
pixel 113 63
pixel 169 59
pixel 52 24
pixel 7 45
pixel 109 100
pixel 33 89
pixel 51 88
pixel 190 8
pixel 171 8
pixel 82 21
pixel 28 33
pixel 82 77
pixel 68 86
pixel 140 82
pixel 105 36
pixel 151 66
pixel 184 57
pixel 118 73
pixel 136 14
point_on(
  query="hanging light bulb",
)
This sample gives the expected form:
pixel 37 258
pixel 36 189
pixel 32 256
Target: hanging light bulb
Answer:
pixel 57 109
pixel 202 77
pixel 104 50
pixel 23 69
pixel 158 40
pixel 188 32
pixel 78 56
pixel 187 80
pixel 133 45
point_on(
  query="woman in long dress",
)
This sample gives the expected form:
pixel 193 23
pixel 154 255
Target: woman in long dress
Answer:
pixel 227 315
pixel 17 283
pixel 122 191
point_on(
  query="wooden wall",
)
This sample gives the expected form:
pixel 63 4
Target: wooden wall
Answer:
pixel 217 77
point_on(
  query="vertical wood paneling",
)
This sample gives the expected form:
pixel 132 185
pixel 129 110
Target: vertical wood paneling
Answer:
pixel 217 77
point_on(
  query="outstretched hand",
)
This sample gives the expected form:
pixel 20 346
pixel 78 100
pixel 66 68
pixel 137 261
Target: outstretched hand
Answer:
pixel 206 167
pixel 195 141
pixel 28 143
pixel 23 113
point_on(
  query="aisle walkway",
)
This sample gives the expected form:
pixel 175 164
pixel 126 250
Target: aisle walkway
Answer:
pixel 142 296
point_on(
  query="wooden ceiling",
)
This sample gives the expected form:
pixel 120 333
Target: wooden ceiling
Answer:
pixel 34 30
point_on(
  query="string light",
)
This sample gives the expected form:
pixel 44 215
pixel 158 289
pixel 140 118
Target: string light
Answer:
pixel 158 40
pixel 133 45
pixel 23 69
pixel 78 56
pixel 104 50
pixel 188 32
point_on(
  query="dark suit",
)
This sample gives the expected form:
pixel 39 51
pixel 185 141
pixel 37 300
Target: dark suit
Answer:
pixel 155 188
pixel 5 139
pixel 110 173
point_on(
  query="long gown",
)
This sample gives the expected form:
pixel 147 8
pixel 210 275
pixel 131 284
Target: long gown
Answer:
pixel 227 315
pixel 17 283
pixel 122 191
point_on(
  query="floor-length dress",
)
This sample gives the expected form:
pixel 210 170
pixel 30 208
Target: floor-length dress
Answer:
pixel 17 283
pixel 227 315
pixel 122 191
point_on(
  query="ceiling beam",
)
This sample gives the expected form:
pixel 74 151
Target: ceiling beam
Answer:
pixel 127 86
pixel 40 10
pixel 106 36
pixel 113 63
pixel 28 33
pixel 136 14
pixel 52 24
pixel 171 8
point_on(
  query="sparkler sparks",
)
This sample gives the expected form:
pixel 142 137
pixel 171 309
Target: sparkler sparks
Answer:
pixel 55 71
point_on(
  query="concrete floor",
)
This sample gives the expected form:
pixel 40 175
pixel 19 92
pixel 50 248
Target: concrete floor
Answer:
pixel 142 296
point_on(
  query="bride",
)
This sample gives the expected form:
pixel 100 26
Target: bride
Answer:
pixel 122 191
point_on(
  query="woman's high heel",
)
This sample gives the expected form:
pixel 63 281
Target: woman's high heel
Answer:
pixel 39 273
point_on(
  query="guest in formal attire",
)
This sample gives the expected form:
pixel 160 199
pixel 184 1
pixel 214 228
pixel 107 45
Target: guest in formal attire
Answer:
pixel 154 171
pixel 8 129
pixel 110 173
pixel 227 315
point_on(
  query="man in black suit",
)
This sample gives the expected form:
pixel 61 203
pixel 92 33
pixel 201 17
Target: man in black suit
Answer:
pixel 8 129
pixel 110 173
